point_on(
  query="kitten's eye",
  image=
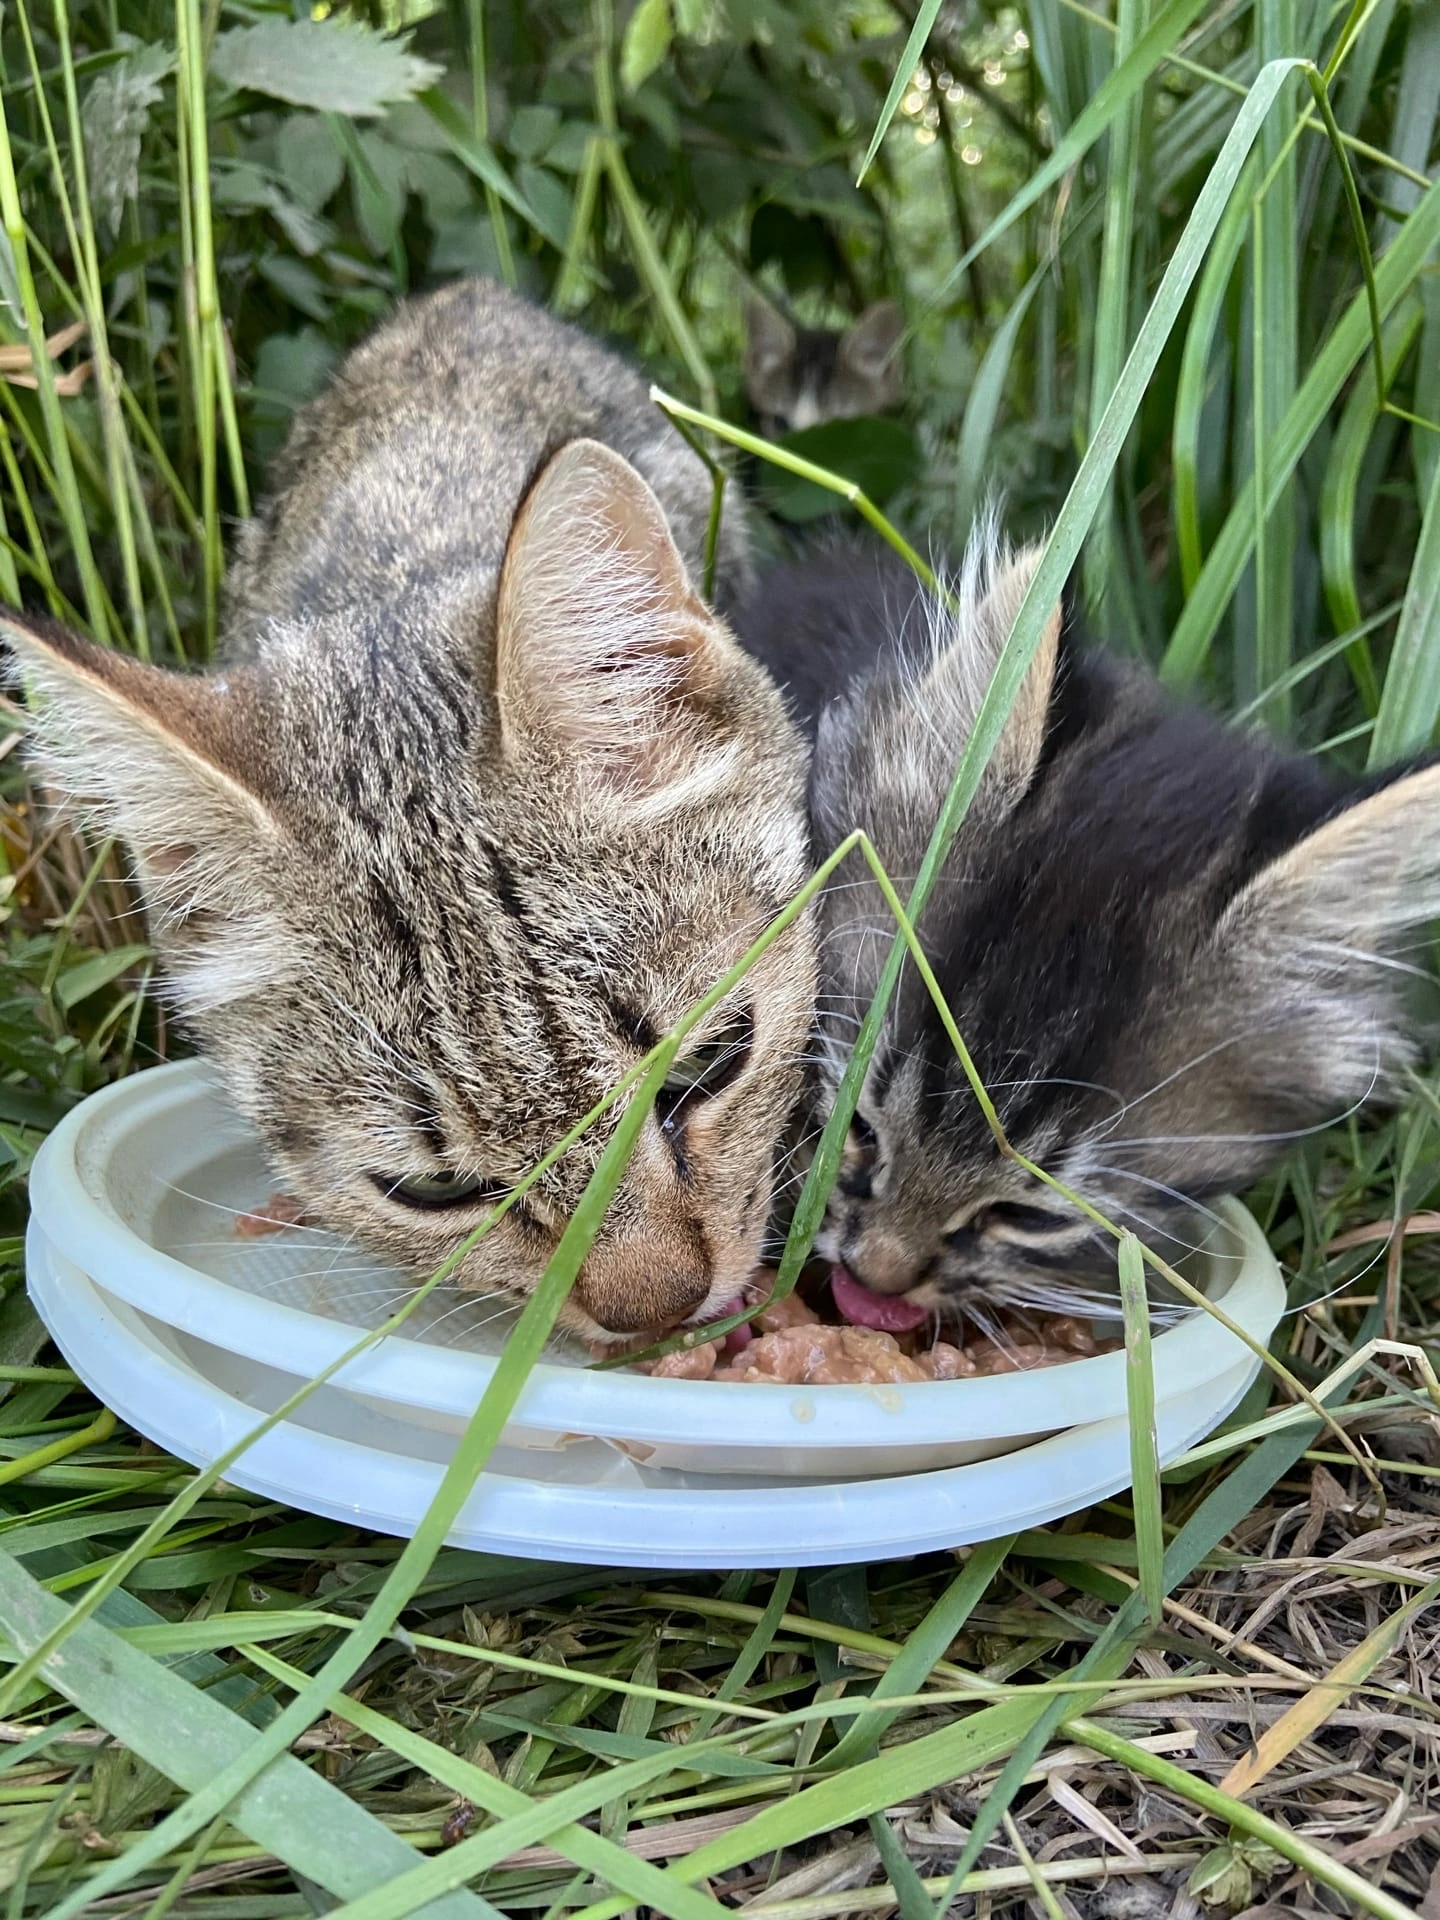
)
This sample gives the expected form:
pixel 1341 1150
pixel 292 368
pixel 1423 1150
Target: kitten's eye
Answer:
pixel 857 1163
pixel 1010 1215
pixel 708 1069
pixel 433 1190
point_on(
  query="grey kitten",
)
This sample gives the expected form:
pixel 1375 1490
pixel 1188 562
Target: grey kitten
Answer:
pixel 799 376
pixel 1171 947
pixel 481 801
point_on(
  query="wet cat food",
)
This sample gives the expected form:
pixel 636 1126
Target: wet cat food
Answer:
pixel 284 1210
pixel 794 1347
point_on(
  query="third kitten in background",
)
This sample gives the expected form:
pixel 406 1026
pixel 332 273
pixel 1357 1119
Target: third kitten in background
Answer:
pixel 1171 947
pixel 796 377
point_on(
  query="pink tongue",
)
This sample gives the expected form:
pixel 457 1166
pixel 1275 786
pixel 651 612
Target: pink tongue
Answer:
pixel 738 1338
pixel 886 1312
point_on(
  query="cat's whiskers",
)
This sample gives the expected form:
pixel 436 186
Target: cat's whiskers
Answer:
pixel 1283 1137
pixel 1186 1200
pixel 242 1213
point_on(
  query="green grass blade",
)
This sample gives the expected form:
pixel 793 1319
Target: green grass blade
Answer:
pixel 972 460
pixel 926 1644
pixel 911 1900
pixel 1338 491
pixel 1112 317
pixel 1193 391
pixel 66 484
pixel 757 1645
pixel 1410 699
pixel 1275 321
pixel 290 1810
pixel 1363 1894
pixel 1099 114
pixel 1427 382
pixel 1144 1446
pixel 520 1822
pixel 904 68
pixel 1395 273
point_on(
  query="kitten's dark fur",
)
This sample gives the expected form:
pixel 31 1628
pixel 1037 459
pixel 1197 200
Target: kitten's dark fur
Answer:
pixel 799 376
pixel 1170 946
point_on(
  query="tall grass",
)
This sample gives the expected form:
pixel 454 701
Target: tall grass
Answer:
pixel 1195 342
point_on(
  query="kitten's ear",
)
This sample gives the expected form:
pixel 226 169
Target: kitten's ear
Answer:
pixel 770 341
pixel 1353 884
pixel 949 697
pixel 607 662
pixel 160 758
pixel 868 347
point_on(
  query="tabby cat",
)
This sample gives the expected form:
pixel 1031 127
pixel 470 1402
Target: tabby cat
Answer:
pixel 1171 948
pixel 799 376
pixel 482 799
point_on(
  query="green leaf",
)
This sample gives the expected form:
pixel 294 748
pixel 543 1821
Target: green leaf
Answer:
pixel 334 65
pixel 115 116
pixel 24 1108
pixel 308 159
pixel 549 200
pixel 78 983
pixel 1410 700
pixel 377 180
pixel 880 456
pixel 646 43
pixel 531 131
pixel 473 152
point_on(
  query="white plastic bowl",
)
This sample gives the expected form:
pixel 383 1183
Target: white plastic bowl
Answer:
pixel 138 1188
pixel 586 1504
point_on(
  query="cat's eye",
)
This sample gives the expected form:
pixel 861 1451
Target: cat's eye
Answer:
pixel 1013 1216
pixel 857 1166
pixel 706 1070
pixel 436 1190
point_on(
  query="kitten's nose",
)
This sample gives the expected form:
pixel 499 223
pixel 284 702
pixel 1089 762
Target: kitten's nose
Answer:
pixel 623 1300
pixel 882 1263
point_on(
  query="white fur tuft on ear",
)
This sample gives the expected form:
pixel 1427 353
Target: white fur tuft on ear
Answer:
pixel 970 637
pixel 606 659
pixel 157 759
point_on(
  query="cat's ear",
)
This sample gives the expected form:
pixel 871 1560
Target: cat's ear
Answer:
pixel 607 662
pixel 868 348
pixel 1352 885
pixel 770 342
pixel 162 759
pixel 990 593
pixel 1308 951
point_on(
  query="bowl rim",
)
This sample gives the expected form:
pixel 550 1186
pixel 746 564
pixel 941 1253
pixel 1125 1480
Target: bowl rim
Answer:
pixel 806 1523
pixel 73 1209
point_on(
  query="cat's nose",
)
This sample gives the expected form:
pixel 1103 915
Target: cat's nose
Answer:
pixel 623 1300
pixel 882 1263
